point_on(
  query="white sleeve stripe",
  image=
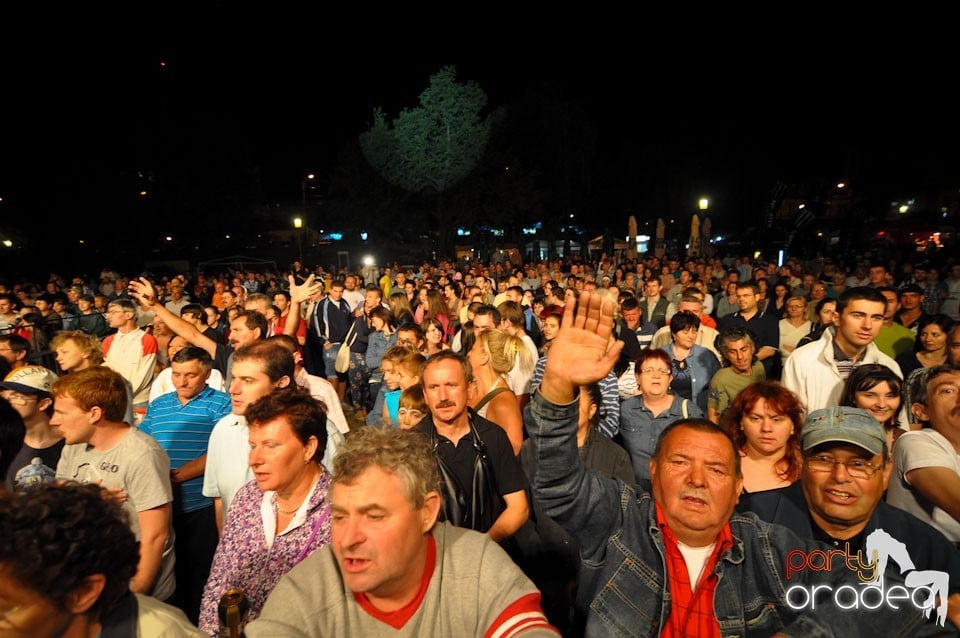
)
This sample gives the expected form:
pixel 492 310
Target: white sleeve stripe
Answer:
pixel 514 624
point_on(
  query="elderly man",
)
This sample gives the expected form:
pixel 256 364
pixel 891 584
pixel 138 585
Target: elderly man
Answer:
pixel 839 497
pixel 673 562
pixel 390 568
pixel 927 478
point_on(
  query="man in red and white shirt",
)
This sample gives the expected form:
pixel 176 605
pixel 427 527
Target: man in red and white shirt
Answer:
pixel 131 351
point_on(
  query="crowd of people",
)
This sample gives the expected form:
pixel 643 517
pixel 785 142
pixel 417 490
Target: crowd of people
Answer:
pixel 617 447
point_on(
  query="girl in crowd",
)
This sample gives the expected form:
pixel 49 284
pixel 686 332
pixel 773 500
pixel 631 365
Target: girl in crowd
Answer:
pixel 492 357
pixel 878 390
pixel 433 337
pixel 400 307
pixel 778 305
pixel 765 420
pixel 550 316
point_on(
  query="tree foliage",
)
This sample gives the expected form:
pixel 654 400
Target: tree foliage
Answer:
pixel 434 146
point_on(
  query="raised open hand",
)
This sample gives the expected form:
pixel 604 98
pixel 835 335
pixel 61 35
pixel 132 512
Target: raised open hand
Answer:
pixel 302 292
pixel 583 352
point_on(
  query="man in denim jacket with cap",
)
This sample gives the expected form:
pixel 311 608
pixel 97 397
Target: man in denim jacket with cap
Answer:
pixel 676 562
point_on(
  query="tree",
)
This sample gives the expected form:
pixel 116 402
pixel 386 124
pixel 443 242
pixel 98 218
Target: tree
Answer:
pixel 433 147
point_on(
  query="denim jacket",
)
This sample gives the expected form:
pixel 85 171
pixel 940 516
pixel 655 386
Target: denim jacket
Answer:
pixel 703 365
pixel 623 572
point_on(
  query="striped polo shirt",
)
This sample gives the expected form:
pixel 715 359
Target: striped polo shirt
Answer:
pixel 184 431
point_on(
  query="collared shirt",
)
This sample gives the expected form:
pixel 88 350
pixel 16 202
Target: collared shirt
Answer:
pixel 183 431
pixel 691 605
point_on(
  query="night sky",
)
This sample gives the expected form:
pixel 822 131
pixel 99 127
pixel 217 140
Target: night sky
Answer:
pixel 86 113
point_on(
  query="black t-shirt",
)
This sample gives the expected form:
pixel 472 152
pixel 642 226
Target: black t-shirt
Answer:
pixel 32 467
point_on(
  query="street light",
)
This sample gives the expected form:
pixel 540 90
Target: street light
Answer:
pixel 309 177
pixel 298 224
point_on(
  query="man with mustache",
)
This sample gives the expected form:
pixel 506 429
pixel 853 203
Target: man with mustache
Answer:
pixel 483 483
pixel 676 561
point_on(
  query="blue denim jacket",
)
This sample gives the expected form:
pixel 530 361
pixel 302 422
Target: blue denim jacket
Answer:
pixel 702 365
pixel 623 574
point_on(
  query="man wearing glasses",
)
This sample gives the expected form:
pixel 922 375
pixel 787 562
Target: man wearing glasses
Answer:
pixel 839 497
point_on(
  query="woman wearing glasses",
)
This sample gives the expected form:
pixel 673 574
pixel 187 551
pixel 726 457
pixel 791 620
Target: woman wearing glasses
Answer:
pixel 645 416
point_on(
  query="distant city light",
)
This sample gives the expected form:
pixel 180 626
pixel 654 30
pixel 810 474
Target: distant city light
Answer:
pixel 571 215
pixel 801 206
pixel 143 193
pixel 169 238
pixel 363 237
pixel 704 203
pixel 7 243
pixel 297 222
pixel 368 260
pixel 903 208
pixel 462 232
pixel 841 184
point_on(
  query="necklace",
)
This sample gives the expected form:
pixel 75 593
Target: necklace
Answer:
pixel 276 506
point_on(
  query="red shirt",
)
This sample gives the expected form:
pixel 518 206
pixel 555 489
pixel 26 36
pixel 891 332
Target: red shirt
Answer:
pixel 691 612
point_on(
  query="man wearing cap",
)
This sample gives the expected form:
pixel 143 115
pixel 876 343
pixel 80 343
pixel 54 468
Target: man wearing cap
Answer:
pixel 676 561
pixel 839 497
pixel 28 390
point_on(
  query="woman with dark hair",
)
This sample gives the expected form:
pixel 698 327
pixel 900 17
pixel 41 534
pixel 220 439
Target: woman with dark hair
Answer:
pixel 643 417
pixel 692 365
pixel 283 514
pixel 826 311
pixel 930 348
pixel 765 420
pixel 550 316
pixel 778 305
pixel 878 390
pixel 434 340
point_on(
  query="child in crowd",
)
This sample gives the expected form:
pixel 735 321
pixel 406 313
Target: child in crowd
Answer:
pixel 413 407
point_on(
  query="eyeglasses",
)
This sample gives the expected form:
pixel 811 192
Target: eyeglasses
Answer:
pixel 660 372
pixel 11 395
pixel 856 468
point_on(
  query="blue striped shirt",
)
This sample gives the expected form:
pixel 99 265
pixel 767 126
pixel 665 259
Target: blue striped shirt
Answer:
pixel 184 431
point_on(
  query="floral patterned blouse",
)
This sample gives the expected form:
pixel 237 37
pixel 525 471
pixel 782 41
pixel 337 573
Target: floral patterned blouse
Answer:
pixel 246 560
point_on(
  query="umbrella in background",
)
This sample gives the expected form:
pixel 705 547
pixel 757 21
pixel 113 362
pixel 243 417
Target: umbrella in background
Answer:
pixel 661 233
pixel 706 237
pixel 694 250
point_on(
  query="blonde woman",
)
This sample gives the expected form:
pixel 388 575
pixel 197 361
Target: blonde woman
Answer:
pixel 492 357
